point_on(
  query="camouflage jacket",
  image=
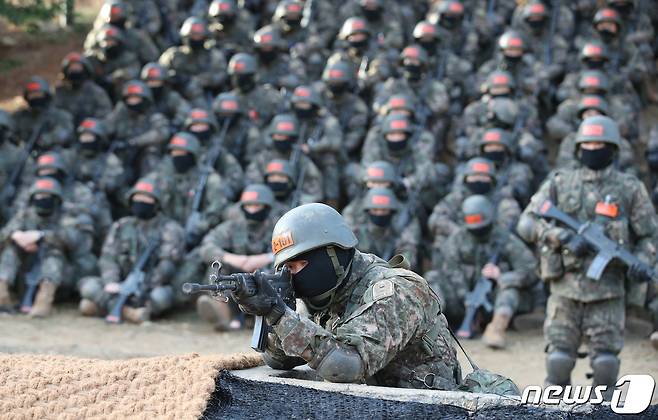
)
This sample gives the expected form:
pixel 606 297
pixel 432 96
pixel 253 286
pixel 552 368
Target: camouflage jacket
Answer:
pixel 57 130
pixel 388 315
pixel 227 166
pixel 352 114
pixel 195 71
pixel 173 106
pixel 628 218
pixel 87 101
pixel 260 103
pixel 427 92
pixel 389 241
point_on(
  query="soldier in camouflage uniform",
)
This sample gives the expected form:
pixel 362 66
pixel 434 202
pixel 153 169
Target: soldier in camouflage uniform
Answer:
pixel 382 233
pixel 136 122
pixel 113 62
pixel 369 318
pixel 231 27
pixel 79 95
pixel 564 25
pixel 275 67
pixel 260 102
pixel 40 240
pixel 125 243
pixel 179 176
pixel 479 177
pixel 243 138
pixel 166 100
pixel 241 244
pixel 54 125
pixel 280 177
pixel 580 308
pixel 454 33
pixel 282 142
pixel 383 17
pixel 321 138
pixel 468 254
pixel 9 157
pixel 379 174
pixel 338 83
pixel 116 13
pixel 197 70
pixel 202 124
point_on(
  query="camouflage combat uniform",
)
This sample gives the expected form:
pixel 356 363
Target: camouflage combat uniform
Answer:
pixel 86 100
pixel 56 131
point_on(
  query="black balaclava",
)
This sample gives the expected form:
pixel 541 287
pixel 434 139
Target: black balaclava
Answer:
pixel 39 103
pixel 243 82
pixel 305 114
pixel 597 159
pixel 281 190
pixel 143 210
pixel 45 206
pixel 413 72
pixel 77 78
pixel 381 220
pixel 482 233
pixel 183 163
pixel 397 146
pixel 317 282
pixel 283 146
pixel 479 187
pixel 267 56
pixel 257 217
pixel 90 148
pixel 498 157
pixel 337 89
pixel 138 107
pixel 112 51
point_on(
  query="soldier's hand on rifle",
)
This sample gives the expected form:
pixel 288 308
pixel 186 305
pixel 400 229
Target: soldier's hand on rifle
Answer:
pixel 305 148
pixel 112 288
pixel 266 302
pixel 639 272
pixel 27 240
pixel 557 237
pixel 491 271
pixel 577 245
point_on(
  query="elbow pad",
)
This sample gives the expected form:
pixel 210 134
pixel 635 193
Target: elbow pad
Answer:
pixel 342 364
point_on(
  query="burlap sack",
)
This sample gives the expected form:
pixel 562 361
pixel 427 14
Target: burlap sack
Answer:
pixel 59 387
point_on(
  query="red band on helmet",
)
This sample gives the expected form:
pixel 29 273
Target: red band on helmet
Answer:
pixel 274 167
pixel 266 38
pixel 375 172
pixel 472 219
pixel 249 196
pixel 74 56
pixel 593 50
pixel 456 7
pixel 88 124
pixel 591 101
pixel 515 42
pixel 239 65
pixel 399 124
pixel 253 115
pixel 335 73
pixel 358 24
pixel 492 136
pixel 381 200
pixel 115 11
pixel 198 114
pixel 481 167
pixel 303 92
pixel 592 81
pixel 178 141
pixel 427 29
pixel 198 27
pixel 294 7
pixel 224 6
pixel 33 86
pixel 500 79
pixel 44 184
pixel 609 13
pixel 593 130
pixel 46 160
pixel 397 103
pixel 411 52
pixel 144 186
pixel 537 8
pixel 134 90
pixel 229 105
pixel 154 72
pixel 285 126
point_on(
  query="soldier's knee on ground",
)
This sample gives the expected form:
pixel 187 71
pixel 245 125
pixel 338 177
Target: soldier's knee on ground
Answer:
pixel 559 364
pixel 91 288
pixel 161 299
pixel 507 299
pixel 605 368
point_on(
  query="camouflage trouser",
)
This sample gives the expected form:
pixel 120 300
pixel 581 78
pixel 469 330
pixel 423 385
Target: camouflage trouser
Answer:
pixel 15 264
pixel 330 180
pixel 159 298
pixel 192 271
pixel 644 296
pixel 600 324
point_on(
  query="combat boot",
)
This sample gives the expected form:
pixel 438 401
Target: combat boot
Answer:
pixel 494 334
pixel 43 302
pixel 88 308
pixel 654 340
pixel 216 313
pixel 135 315
pixel 5 297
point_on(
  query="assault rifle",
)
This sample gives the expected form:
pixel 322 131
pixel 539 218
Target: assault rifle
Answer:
pixel 548 47
pixel 33 279
pixel 192 235
pixel 245 284
pixel 10 188
pixel 134 284
pixel 606 249
pixel 167 28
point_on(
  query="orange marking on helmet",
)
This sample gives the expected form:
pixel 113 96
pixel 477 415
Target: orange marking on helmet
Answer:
pixel 198 114
pixel 44 184
pixel 397 103
pixel 249 196
pixel 336 74
pixel 492 136
pixel 481 167
pixel 33 86
pixel 88 123
pixel 593 130
pixel 134 90
pixel 115 11
pixel 399 124
pixel 381 200
pixel 274 167
pixel 375 172
pixel 178 141
pixel 229 105
pixel 607 209
pixel 285 126
pixel 472 219
pixel 144 186
pixel 282 241
pixel 239 65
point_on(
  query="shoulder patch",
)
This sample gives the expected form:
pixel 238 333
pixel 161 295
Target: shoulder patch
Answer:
pixel 382 289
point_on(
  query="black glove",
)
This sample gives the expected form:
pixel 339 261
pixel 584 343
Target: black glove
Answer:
pixel 639 272
pixel 577 245
pixel 266 302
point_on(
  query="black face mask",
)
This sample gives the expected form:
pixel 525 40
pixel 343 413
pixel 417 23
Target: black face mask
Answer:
pixel 607 36
pixel 257 217
pixel 497 157
pixel 203 136
pixel 89 148
pixel 120 23
pixel 337 89
pixel 536 25
pixel 138 107
pixel 113 51
pixel 226 19
pixel 142 210
pixel 183 163
pixel 449 22
pixel 157 92
pixel 359 45
pixel 596 159
pixel 319 276
pixel 429 46
pixel 39 103
pixel 652 159
pixel 513 60
pixel 45 206
pixel 380 220
pixel 372 14
pixel 59 175
pixel 243 82
pixel 481 233
pixel 283 146
pixel 197 44
pixel 293 23
pixel 281 190
pixel 76 78
pixel 413 72
pixel 595 65
pixel 478 187
pixel 267 56
pixel 305 114
pixel 397 146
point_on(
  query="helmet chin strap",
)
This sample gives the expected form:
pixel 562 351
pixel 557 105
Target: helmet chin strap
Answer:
pixel 341 274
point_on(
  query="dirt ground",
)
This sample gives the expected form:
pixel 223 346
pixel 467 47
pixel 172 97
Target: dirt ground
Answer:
pixel 67 333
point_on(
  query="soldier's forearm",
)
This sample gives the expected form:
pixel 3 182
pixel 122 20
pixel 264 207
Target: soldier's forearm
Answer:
pixel 151 137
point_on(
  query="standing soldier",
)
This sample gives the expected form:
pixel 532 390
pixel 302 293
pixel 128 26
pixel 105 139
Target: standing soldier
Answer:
pixel 259 102
pixel 136 122
pixel 381 235
pixel 36 246
pixel 53 125
pixel 241 244
pixel 197 70
pixel 580 308
pixel 481 248
pixel 230 26
pixel 166 100
pixel 126 243
pixel 77 93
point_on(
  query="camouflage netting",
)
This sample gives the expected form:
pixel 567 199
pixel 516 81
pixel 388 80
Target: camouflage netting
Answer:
pixel 238 398
pixel 176 387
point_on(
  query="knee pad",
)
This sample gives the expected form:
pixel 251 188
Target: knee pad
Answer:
pixel 559 365
pixel 91 288
pixel 606 369
pixel 161 299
